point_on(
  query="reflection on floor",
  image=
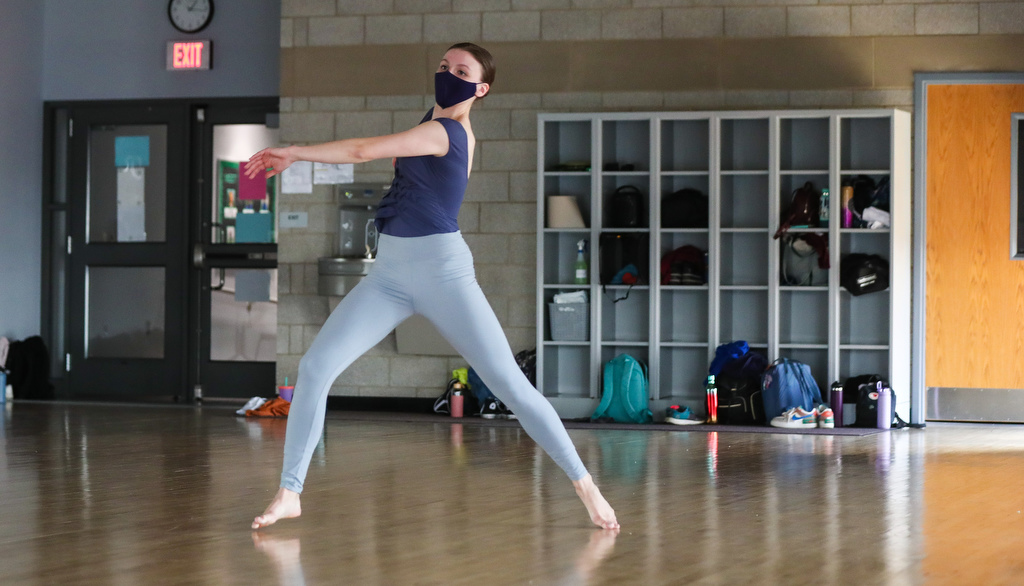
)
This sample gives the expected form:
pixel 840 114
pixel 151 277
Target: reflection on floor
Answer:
pixel 105 494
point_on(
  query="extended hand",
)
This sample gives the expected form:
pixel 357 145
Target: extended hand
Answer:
pixel 272 161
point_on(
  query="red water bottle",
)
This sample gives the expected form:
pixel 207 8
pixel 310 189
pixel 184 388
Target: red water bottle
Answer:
pixel 712 399
pixel 457 401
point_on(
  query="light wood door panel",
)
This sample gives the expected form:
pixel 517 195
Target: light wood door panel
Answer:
pixel 975 293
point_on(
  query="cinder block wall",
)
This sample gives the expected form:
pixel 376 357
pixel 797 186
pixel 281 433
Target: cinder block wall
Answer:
pixel 364 67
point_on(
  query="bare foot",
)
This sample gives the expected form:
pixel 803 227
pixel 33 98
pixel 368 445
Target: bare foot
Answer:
pixel 284 506
pixel 601 512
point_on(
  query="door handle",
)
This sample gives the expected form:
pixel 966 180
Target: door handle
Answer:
pixel 198 256
pixel 199 261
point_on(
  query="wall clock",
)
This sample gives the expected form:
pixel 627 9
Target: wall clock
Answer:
pixel 190 16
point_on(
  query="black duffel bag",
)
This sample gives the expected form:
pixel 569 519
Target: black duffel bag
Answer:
pixel 686 208
pixel 864 273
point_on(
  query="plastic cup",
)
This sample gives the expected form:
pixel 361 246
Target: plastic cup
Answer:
pixel 285 393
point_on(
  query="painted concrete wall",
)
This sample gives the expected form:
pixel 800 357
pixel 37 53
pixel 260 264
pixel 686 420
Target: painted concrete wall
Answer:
pixel 363 67
pixel 116 49
pixel 21 110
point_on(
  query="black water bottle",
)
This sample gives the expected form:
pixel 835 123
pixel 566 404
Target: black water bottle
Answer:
pixel 835 399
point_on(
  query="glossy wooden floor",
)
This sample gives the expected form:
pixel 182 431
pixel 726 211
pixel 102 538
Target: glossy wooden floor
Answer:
pixel 114 494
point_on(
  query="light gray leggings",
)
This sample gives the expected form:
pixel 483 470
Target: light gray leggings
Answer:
pixel 434 277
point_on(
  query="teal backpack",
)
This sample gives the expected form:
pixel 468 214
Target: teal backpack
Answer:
pixel 624 399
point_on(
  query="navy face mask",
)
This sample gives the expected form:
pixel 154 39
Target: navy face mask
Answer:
pixel 450 90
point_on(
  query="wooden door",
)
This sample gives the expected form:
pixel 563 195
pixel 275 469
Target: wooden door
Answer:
pixel 975 293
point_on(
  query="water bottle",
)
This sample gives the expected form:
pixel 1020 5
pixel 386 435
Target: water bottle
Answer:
pixel 712 399
pixel 823 218
pixel 457 401
pixel 580 268
pixel 847 206
pixel 835 400
pixel 884 406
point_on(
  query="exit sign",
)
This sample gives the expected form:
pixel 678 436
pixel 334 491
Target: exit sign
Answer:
pixel 188 55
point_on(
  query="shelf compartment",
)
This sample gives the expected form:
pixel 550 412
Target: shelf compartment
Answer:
pixel 611 183
pixel 744 201
pixel 744 259
pixel 744 144
pixel 865 242
pixel 803 317
pixel 626 142
pixel 611 350
pixel 864 143
pixel 803 143
pixel 684 145
pixel 674 240
pixel 683 373
pixel 788 184
pixel 570 327
pixel 678 238
pixel 566 370
pixel 743 315
pixel 566 142
pixel 864 319
pixel 577 186
pixel 684 316
pixel 793 269
pixel 858 362
pixel 626 320
pixel 560 258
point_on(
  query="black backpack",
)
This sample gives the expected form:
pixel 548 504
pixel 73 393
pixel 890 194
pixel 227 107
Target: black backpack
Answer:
pixel 686 208
pixel 625 208
pixel 28 363
pixel 864 273
pixel 863 193
pixel 739 390
pixel 863 390
pixel 618 251
pixel 527 361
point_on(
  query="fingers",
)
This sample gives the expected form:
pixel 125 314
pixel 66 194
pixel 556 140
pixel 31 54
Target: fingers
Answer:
pixel 261 161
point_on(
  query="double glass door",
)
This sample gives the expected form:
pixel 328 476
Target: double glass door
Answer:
pixel 161 256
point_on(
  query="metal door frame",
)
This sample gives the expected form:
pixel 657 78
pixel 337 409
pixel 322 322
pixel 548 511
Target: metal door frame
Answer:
pixel 186 174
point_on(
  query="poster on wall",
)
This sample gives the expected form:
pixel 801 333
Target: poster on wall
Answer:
pixel 329 174
pixel 245 207
pixel 131 157
pixel 298 178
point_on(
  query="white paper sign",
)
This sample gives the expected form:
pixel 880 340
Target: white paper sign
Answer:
pixel 298 178
pixel 131 204
pixel 252 286
pixel 294 219
pixel 325 174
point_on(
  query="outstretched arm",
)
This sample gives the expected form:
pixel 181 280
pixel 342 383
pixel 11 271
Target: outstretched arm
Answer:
pixel 426 139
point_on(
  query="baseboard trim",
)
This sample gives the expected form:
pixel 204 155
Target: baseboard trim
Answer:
pixel 974 405
pixel 399 404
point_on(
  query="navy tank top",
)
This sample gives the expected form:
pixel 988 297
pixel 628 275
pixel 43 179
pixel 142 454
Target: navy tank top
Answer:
pixel 427 191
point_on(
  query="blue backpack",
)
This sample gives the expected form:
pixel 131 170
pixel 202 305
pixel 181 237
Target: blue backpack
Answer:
pixel 625 396
pixel 787 384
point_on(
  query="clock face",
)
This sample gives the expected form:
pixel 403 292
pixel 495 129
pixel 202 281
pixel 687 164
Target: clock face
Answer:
pixel 190 16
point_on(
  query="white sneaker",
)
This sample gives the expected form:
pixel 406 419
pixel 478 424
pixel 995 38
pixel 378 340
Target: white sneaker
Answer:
pixel 796 418
pixel 826 418
pixel 253 403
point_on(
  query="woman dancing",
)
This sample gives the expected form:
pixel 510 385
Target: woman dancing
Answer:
pixel 424 267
